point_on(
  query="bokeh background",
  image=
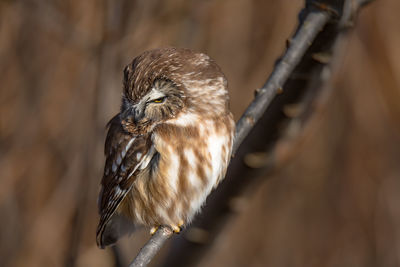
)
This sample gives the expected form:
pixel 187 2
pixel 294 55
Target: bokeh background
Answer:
pixel 334 202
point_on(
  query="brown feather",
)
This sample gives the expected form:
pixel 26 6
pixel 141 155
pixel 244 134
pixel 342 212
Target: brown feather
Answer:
pixel 120 162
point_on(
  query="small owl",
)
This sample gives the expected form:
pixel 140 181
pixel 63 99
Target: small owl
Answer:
pixel 169 146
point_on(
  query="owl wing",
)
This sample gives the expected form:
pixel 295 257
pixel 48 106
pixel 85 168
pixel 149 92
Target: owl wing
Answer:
pixel 126 154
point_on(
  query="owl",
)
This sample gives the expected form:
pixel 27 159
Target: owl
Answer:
pixel 169 146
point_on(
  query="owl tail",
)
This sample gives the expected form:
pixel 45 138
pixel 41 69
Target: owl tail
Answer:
pixel 115 228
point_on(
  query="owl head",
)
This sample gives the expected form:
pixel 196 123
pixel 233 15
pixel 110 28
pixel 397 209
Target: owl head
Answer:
pixel 161 83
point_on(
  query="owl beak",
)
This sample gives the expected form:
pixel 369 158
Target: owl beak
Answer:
pixel 136 114
pixel 132 114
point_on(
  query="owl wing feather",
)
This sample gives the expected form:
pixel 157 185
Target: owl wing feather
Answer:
pixel 126 155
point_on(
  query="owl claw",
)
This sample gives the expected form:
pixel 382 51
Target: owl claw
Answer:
pixel 153 230
pixel 177 228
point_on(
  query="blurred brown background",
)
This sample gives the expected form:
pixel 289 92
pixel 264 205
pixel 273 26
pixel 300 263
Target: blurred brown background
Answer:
pixel 336 202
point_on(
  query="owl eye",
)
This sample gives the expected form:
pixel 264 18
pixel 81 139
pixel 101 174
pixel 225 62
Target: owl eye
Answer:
pixel 159 100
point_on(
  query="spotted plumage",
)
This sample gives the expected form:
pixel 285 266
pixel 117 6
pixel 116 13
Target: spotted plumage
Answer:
pixel 168 147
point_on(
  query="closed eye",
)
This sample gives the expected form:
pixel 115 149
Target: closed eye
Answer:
pixel 158 100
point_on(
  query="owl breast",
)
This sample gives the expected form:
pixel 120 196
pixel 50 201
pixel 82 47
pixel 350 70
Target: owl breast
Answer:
pixel 192 158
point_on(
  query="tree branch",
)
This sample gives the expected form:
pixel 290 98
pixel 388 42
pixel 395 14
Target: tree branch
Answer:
pixel 151 248
pixel 318 14
pixel 313 23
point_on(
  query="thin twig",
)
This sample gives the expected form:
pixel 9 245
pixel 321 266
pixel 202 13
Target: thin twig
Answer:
pixel 151 248
pixel 304 37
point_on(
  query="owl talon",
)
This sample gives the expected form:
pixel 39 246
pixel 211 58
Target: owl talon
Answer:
pixel 176 229
pixel 153 230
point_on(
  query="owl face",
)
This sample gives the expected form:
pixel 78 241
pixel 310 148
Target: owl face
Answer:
pixel 162 101
pixel 160 84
